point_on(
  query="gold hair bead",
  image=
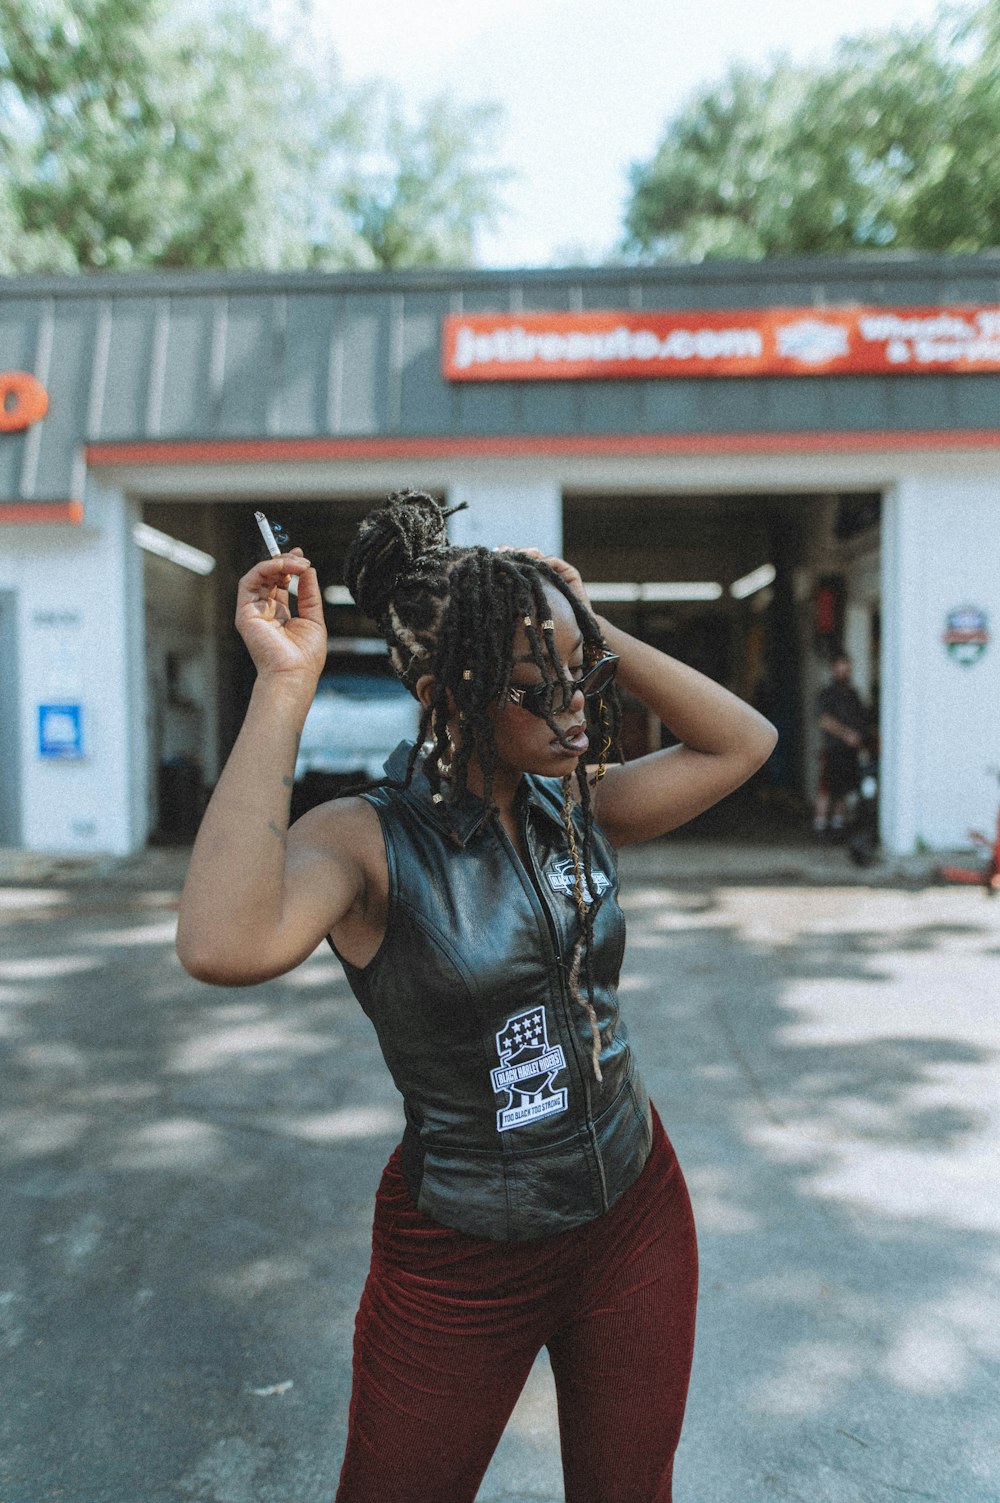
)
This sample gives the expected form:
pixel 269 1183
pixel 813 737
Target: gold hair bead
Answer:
pixel 548 624
pixel 527 620
pixel 437 798
pixel 467 674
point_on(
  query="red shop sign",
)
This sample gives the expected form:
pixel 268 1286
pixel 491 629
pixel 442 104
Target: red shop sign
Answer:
pixel 857 341
pixel 23 400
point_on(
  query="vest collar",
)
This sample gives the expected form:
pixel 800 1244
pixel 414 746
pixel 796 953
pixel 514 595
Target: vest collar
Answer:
pixel 465 818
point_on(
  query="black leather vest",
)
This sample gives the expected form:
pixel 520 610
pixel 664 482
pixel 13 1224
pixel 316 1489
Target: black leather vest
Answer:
pixel 509 1135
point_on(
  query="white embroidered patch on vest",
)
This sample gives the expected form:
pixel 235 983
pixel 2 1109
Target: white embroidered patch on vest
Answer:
pixel 528 1065
pixel 562 877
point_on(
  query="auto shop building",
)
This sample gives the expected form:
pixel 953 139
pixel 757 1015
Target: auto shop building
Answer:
pixel 752 462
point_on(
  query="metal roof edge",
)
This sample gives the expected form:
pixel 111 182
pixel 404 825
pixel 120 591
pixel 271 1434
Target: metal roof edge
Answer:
pixel 886 265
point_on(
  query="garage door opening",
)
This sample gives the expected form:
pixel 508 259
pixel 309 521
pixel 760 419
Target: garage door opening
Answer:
pixel 758 591
pixel 199 675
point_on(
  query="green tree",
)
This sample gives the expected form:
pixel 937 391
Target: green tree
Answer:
pixel 132 138
pixel 889 146
pixel 127 144
pixel 421 198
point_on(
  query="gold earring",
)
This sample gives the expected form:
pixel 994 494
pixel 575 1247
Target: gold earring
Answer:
pixel 445 767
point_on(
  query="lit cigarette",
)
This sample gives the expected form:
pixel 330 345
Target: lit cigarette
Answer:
pixel 267 534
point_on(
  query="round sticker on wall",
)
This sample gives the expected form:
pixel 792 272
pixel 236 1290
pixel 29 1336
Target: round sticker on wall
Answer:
pixel 966 634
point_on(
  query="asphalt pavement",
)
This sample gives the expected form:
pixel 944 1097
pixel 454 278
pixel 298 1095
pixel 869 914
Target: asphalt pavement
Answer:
pixel 187 1175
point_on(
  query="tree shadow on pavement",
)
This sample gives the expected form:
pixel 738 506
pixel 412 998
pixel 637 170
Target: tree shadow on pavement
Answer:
pixel 825 1062
pixel 188 1174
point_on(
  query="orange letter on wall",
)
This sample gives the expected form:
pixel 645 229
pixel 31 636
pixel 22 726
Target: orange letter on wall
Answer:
pixel 23 400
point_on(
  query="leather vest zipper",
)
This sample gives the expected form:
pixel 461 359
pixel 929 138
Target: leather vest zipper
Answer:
pixel 534 876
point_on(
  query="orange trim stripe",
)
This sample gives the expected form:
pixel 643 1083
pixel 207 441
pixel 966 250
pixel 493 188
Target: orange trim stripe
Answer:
pixel 12 512
pixel 287 450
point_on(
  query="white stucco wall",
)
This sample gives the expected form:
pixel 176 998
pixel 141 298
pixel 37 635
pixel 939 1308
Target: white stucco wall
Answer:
pixel 80 640
pixel 941 721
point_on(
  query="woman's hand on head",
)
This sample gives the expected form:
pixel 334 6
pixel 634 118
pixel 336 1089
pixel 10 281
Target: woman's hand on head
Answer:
pixel 277 641
pixel 567 572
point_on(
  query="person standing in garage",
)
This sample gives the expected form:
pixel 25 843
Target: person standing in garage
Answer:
pixel 844 720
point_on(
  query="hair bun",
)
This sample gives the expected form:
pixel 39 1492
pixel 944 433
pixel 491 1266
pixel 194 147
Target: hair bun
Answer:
pixel 389 545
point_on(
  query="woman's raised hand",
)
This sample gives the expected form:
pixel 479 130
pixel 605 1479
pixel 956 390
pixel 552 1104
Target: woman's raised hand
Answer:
pixel 567 572
pixel 277 641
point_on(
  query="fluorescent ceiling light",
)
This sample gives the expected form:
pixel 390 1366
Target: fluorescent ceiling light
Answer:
pixel 757 579
pixel 363 646
pixel 161 543
pixel 613 591
pixel 603 591
pixel 691 589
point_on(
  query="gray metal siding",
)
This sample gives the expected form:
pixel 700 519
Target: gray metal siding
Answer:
pixel 70 370
pixel 610 406
pixel 549 406
pixel 247 365
pixel 18 349
pixel 311 357
pixel 422 391
pixel 975 402
pixel 490 409
pixel 124 398
pixel 929 405
pixel 183 403
pixel 18 335
pixel 364 332
pixel 204 356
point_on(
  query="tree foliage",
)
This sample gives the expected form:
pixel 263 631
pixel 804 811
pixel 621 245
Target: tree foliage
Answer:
pixel 889 146
pixel 422 197
pixel 130 138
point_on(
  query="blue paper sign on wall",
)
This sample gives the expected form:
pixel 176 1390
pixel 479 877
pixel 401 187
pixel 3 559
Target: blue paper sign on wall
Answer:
pixel 60 732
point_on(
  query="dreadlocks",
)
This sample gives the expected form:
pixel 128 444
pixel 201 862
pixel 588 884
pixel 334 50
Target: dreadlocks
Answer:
pixel 453 613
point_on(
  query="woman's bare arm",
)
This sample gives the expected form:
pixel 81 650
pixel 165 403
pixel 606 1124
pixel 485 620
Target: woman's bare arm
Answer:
pixel 258 898
pixel 723 741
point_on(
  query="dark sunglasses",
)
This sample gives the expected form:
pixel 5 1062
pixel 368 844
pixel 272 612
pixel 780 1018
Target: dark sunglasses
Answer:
pixel 540 699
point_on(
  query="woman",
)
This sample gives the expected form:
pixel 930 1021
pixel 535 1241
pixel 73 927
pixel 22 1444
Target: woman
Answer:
pixel 471 896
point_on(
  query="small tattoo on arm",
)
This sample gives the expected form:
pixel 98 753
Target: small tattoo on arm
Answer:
pixel 281 834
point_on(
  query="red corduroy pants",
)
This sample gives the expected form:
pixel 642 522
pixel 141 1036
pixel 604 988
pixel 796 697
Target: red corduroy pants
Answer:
pixel 449 1326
